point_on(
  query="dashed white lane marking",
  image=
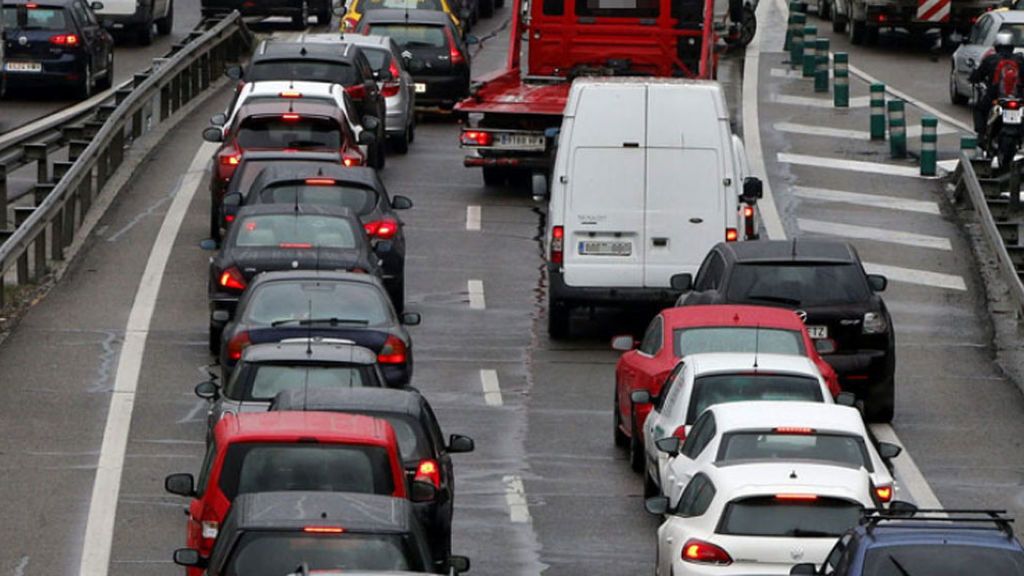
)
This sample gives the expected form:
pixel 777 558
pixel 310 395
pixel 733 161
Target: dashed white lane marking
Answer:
pixel 99 528
pixel 913 132
pixel 476 294
pixel 492 390
pixel 871 200
pixel 851 165
pixel 907 472
pixel 919 277
pixel 875 234
pixel 515 497
pixel 810 101
pixel 473 218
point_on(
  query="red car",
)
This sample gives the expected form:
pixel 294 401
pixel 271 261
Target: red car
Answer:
pixel 675 332
pixel 288 451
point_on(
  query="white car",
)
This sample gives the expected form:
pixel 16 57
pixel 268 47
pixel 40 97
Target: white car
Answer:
pixel 759 518
pixel 796 432
pixel 703 380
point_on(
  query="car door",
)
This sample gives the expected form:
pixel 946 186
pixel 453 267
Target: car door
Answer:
pixel 633 363
pixel 679 470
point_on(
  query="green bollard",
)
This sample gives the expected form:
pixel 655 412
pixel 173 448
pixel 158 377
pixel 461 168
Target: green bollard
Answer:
pixel 969 144
pixel 821 66
pixel 796 45
pixel 897 130
pixel 794 8
pixel 841 93
pixel 810 42
pixel 929 145
pixel 878 111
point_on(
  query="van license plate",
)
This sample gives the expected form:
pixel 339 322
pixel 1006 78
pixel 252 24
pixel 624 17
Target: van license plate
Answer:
pixel 605 248
pixel 817 332
pixel 420 88
pixel 529 141
pixel 23 67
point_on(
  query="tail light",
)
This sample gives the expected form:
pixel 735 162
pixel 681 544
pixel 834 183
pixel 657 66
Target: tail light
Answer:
pixel 390 89
pixel 357 92
pixel 69 40
pixel 1012 104
pixel 232 279
pixel 794 430
pixel 796 497
pixel 229 218
pixel 476 138
pixel 429 471
pixel 748 221
pixel 320 181
pixel 731 235
pixel 701 552
pixel 323 529
pixel 383 229
pixel 229 157
pixel 237 344
pixel 680 432
pixel 210 529
pixel 349 24
pixel 884 493
pixel 393 351
pixel 352 158
pixel 295 245
pixel 290 117
pixel 557 241
pixel 393 69
pixel 290 94
pixel 453 50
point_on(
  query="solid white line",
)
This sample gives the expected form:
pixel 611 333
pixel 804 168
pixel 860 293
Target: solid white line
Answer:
pixel 492 390
pixel 808 101
pixel 876 234
pixel 907 472
pixel 871 200
pixel 919 277
pixel 913 132
pixel 476 294
pixel 473 218
pixel 99 529
pixel 515 497
pixel 852 165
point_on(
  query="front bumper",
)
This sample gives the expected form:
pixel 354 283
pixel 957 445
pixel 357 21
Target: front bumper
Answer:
pixel 616 297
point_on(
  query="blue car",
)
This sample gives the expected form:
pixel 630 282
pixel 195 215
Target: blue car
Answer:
pixel 905 541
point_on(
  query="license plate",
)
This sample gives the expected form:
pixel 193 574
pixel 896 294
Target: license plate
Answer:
pixel 817 332
pixel 519 140
pixel 1012 116
pixel 605 248
pixel 23 67
pixel 420 87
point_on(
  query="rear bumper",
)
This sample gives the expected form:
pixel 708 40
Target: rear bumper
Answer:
pixel 538 161
pixel 444 91
pixel 66 70
pixel 617 297
pixel 397 375
pixel 860 369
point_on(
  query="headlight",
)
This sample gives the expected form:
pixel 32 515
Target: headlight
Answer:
pixel 874 323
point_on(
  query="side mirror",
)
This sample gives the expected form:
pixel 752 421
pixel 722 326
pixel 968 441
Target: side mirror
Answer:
pixel 401 203
pixel 233 72
pixel 459 564
pixel 213 134
pixel 888 451
pixel 877 282
pixel 459 444
pixel 753 190
pixel 421 491
pixel 96 6
pixel 232 200
pixel 682 282
pixel 371 123
pixel 411 319
pixel 219 119
pixel 382 247
pixel 902 508
pixel 181 485
pixel 825 346
pixel 670 445
pixel 657 505
pixel 207 390
pixel 623 343
pixel 189 557
pixel 805 568
pixel 640 397
pixel 367 137
pixel 846 399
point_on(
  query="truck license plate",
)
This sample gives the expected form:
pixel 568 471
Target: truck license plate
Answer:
pixel 520 140
pixel 420 88
pixel 1012 116
pixel 605 248
pixel 817 332
pixel 23 67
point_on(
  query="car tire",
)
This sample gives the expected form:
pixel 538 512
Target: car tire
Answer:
pixel 650 488
pixel 214 342
pixel 636 450
pixel 487 8
pixel 215 226
pixel 396 293
pixel 621 441
pixel 880 403
pixel 400 143
pixel 748 26
pixel 954 95
pixel 144 34
pixel 499 3
pixel 857 31
pixel 166 24
pixel 838 24
pixel 378 155
pixel 323 15
pixel 108 75
pixel 871 35
pixel 86 85
pixel 412 131
pixel 558 320
pixel 495 176
pixel 824 9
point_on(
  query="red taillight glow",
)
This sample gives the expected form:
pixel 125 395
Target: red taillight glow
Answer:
pixel 680 432
pixel 323 529
pixel 390 89
pixel 237 344
pixel 731 235
pixel 290 94
pixel 393 351
pixel 296 245
pixel 453 50
pixel 702 552
pixel 229 218
pixel 476 138
pixel 748 211
pixel 429 471
pixel 351 158
pixel 357 92
pixel 1013 104
pixel 884 493
pixel 230 159
pixel 232 279
pixel 797 497
pixel 557 242
pixel 793 430
pixel 320 182
pixel 69 40
pixel 290 117
pixel 31 5
pixel 383 229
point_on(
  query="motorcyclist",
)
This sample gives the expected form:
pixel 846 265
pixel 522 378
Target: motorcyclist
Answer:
pixel 991 73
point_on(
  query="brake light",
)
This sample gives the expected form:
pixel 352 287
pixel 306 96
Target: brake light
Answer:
pixel 390 89
pixel 210 528
pixel 31 6
pixel 393 351
pixel 453 50
pixel 393 68
pixel 1013 104
pixel 793 430
pixel 884 493
pixel 323 529
pixel 701 552
pixel 290 94
pixel 797 497
pixel 296 245
pixel 383 229
pixel 731 235
pixel 357 92
pixel 680 432
pixel 748 221
pixel 230 158
pixel 429 471
pixel 476 138
pixel 557 241
pixel 320 182
pixel 232 279
pixel 229 218
pixel 69 40
pixel 350 159
pixel 240 342
pixel 349 24
pixel 748 211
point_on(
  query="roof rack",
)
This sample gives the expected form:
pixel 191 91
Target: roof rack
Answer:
pixel 872 516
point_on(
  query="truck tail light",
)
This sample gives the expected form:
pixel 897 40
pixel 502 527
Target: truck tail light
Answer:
pixel 429 471
pixel 701 552
pixel 557 242
pixel 237 344
pixel 731 235
pixel 393 351
pixel 476 138
pixel 232 279
pixel 383 229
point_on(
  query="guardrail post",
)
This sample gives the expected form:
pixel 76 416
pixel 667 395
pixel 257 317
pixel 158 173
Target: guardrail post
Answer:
pixel 40 192
pixel 57 236
pixel 21 213
pixel 810 43
pixel 841 91
pixel 821 65
pixel 38 153
pixel 897 130
pixel 3 200
pixel 929 143
pixel 791 25
pixel 796 44
pixel 75 149
pixel 878 111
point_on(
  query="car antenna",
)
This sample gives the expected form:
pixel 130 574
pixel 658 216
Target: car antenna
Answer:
pixel 792 252
pixel 757 343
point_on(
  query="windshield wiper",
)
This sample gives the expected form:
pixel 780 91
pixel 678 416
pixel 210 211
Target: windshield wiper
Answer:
pixel 309 321
pixel 897 564
pixel 779 299
pixel 802 533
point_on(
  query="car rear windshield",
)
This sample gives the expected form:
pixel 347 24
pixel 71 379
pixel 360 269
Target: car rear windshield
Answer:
pixel 413 35
pixel 280 467
pixel 305 132
pixel 943 560
pixel 813 284
pixel 307 70
pixel 842 448
pixel 38 18
pixel 344 303
pixel 365 5
pixel 724 388
pixel 618 8
pixel 278 553
pixel 741 339
pixel 358 199
pixel 254 381
pixel 294 231
pixel 789 516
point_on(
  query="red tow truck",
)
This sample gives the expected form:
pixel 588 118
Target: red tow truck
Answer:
pixel 512 117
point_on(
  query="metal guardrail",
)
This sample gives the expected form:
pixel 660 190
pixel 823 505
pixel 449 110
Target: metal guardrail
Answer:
pixel 96 141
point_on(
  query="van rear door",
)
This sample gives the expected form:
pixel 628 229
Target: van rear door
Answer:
pixel 604 214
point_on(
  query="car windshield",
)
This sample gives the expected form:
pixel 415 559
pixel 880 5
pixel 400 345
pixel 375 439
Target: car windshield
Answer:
pixel 282 467
pixel 365 5
pixel 841 448
pixel 738 339
pixel 305 70
pixel 944 559
pixel 412 35
pixel 358 199
pixel 794 516
pixel 39 18
pixel 350 303
pixel 724 388
pixel 813 284
pixel 278 553
pixel 284 131
pixel 255 381
pixel 293 231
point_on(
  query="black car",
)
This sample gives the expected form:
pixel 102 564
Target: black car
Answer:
pixel 298 10
pixel 317 304
pixel 425 453
pixel 438 57
pixel 272 237
pixel 358 189
pixel 337 63
pixel 273 533
pixel 56 43
pixel 825 283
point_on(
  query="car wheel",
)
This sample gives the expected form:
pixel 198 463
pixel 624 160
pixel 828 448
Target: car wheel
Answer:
pixel 400 143
pixel 636 450
pixel 379 157
pixel 396 292
pixel 558 320
pixel 166 24
pixel 824 9
pixel 144 34
pixel 748 26
pixel 954 95
pixel 621 441
pixel 214 343
pixel 86 85
pixel 302 18
pixel 108 75
pixel 323 15
pixel 880 402
pixel 838 24
pixel 412 131
pixel 871 35
pixel 495 176
pixel 215 226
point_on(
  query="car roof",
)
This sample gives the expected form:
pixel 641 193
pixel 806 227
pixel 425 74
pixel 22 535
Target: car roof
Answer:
pixel 284 106
pixel 802 250
pixel 295 510
pixel 297 210
pixel 762 415
pixel 315 351
pixel 278 50
pixel 907 531
pixel 392 400
pixel 397 16
pixel 314 276
pixel 294 171
pixel 732 362
pixel 731 315
pixel 744 479
pixel 327 427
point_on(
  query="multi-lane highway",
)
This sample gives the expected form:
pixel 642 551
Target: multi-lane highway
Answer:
pixel 545 489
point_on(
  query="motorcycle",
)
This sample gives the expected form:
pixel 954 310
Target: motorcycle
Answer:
pixel 1005 130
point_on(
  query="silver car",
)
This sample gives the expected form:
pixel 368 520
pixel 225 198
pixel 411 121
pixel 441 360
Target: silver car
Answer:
pixel 968 55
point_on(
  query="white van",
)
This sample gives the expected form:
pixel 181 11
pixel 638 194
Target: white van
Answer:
pixel 648 177
pixel 137 18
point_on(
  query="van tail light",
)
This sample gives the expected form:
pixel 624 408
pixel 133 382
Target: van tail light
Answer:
pixel 357 92
pixel 238 343
pixel 731 235
pixel 429 471
pixel 349 24
pixel 748 221
pixel 557 243
pixel 393 351
pixel 701 552
pixel 210 529
pixel 476 138
pixel 390 89
pixel 453 50
pixel 232 279
pixel 680 432
pixel 884 494
pixel 351 158
pixel 383 229
pixel 69 40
